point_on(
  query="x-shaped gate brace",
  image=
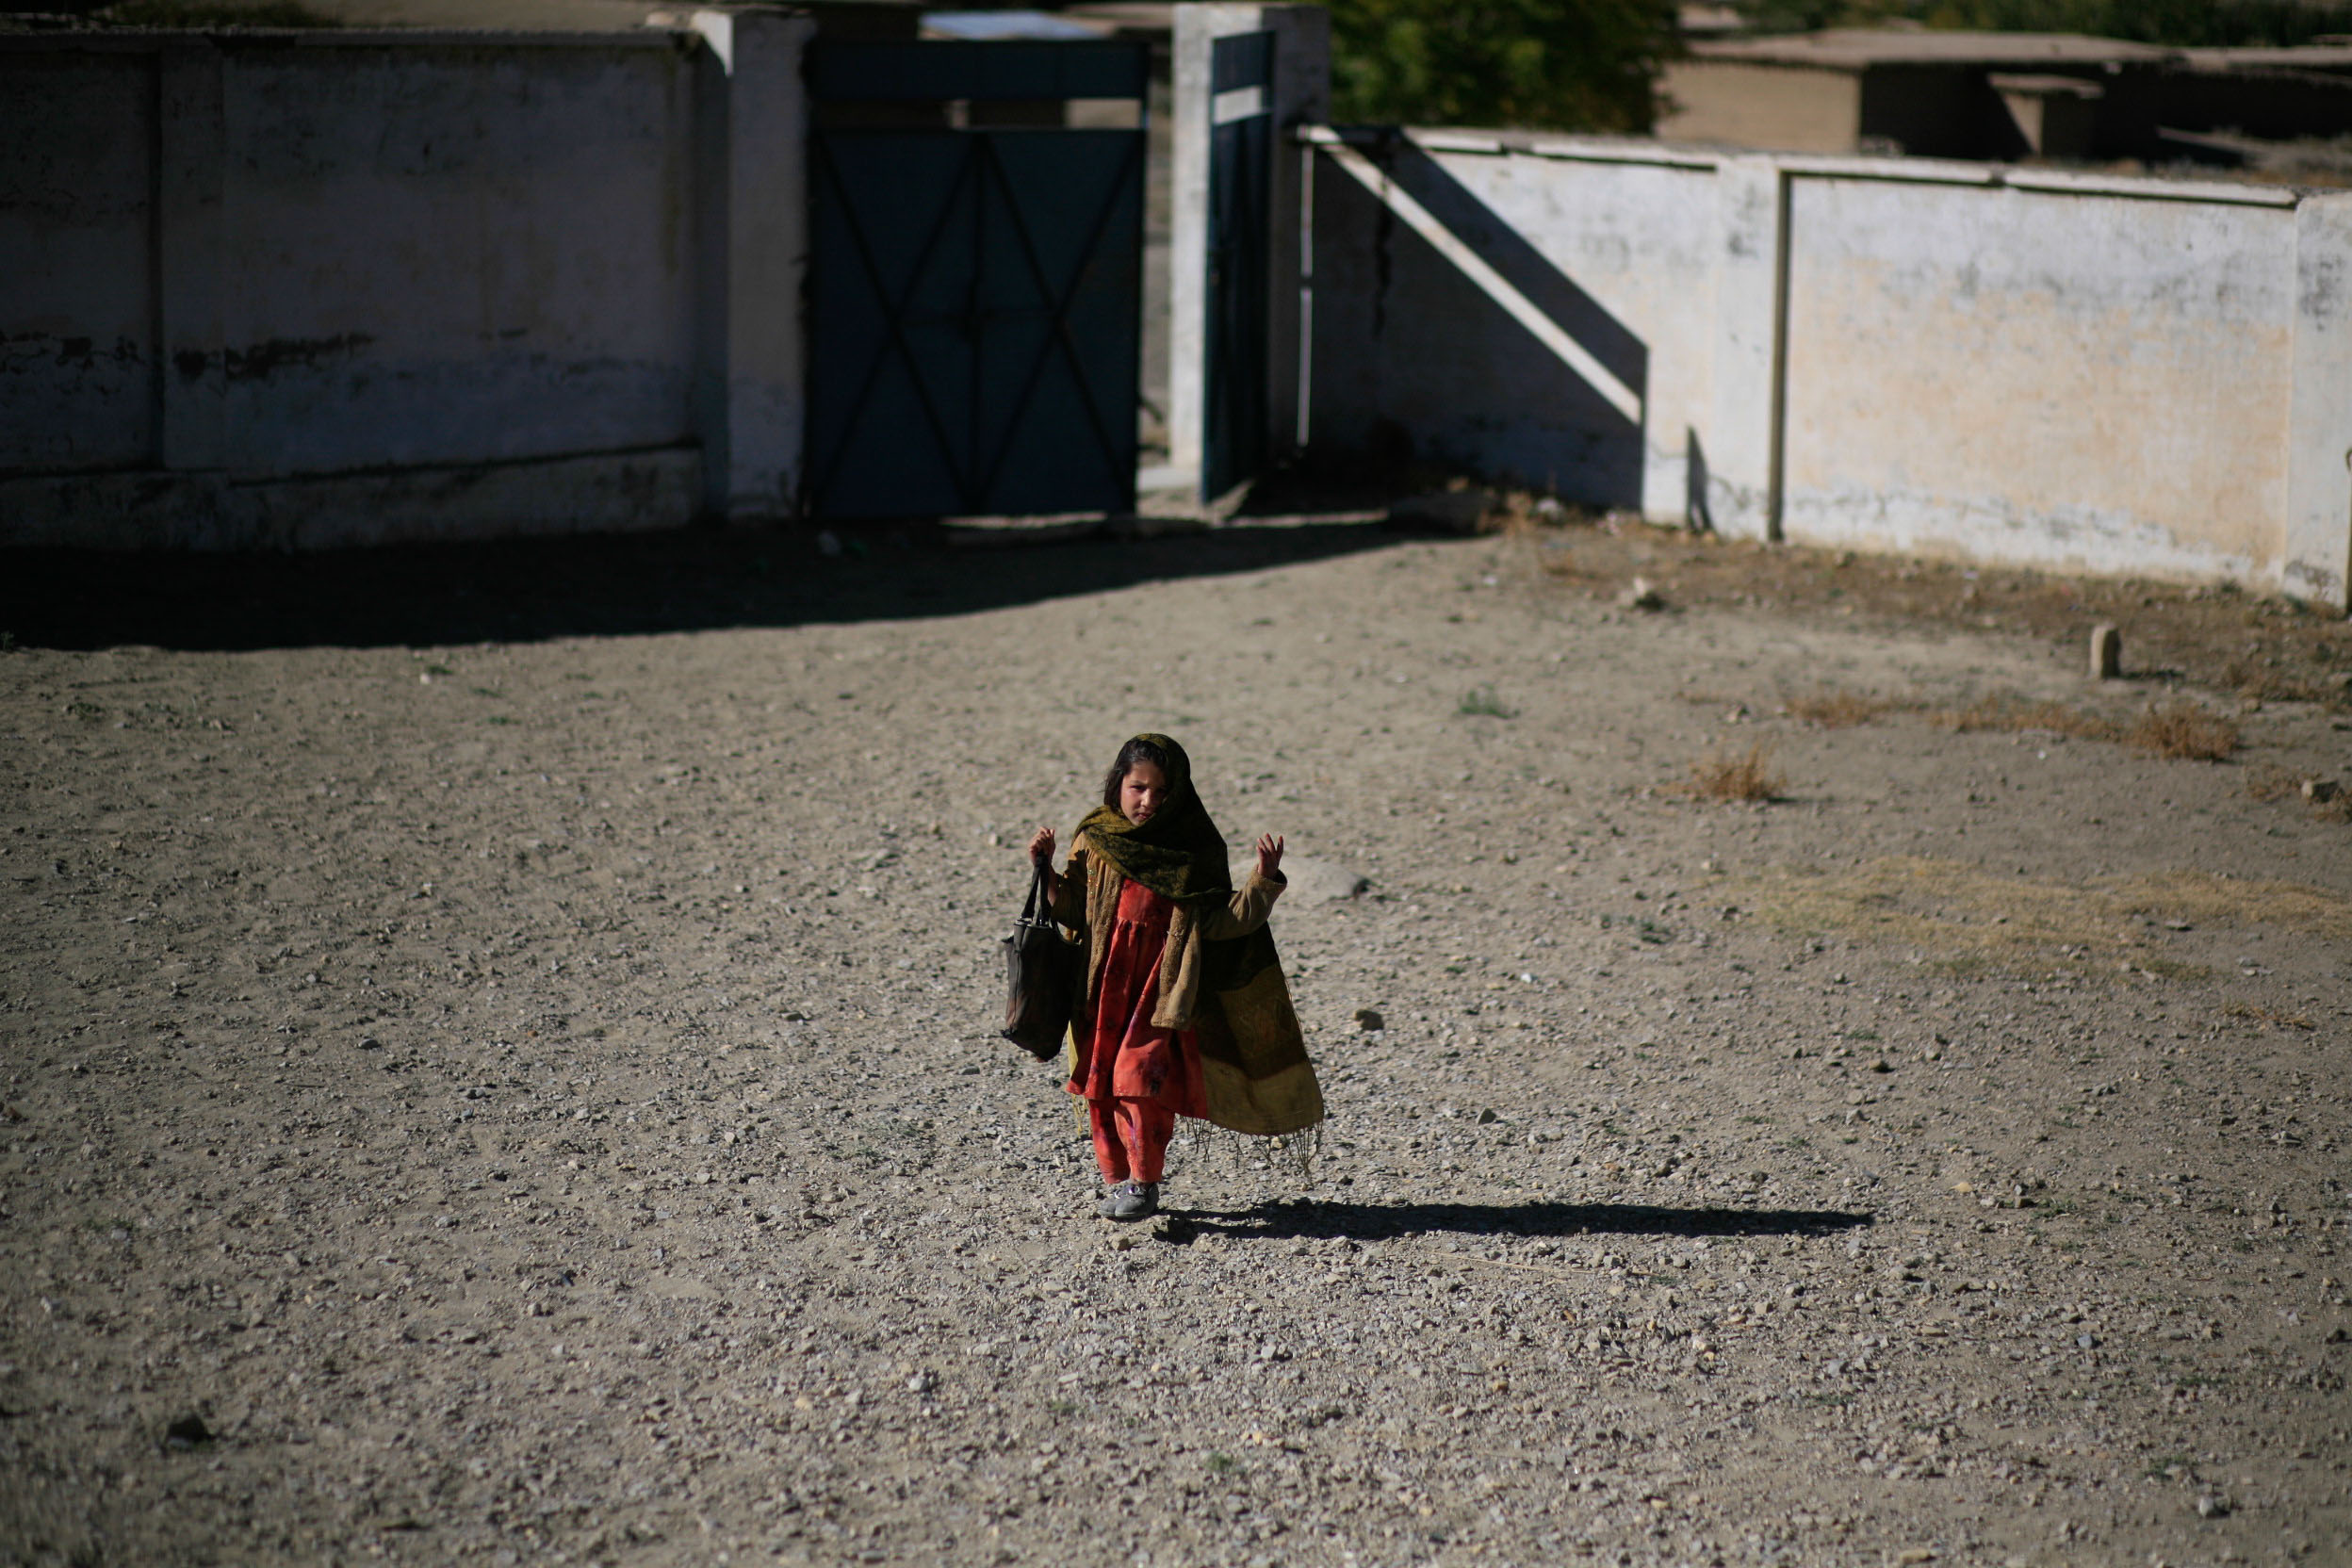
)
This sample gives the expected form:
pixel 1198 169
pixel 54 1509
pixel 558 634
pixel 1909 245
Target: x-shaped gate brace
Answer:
pixel 979 163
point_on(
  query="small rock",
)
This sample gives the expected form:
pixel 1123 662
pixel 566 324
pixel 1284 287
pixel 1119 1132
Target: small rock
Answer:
pixel 2319 792
pixel 1488 1117
pixel 1916 1554
pixel 1881 1064
pixel 2087 1342
pixel 1641 594
pixel 1310 880
pixel 188 1432
pixel 829 543
pixel 2211 1507
pixel 2106 652
pixel 1369 1019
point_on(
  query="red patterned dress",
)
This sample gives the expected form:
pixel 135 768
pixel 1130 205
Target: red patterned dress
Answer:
pixel 1136 1079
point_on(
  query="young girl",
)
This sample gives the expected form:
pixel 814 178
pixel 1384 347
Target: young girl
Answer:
pixel 1184 1010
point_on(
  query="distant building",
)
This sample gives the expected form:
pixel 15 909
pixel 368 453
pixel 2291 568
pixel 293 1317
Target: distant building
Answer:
pixel 2005 96
pixel 1929 94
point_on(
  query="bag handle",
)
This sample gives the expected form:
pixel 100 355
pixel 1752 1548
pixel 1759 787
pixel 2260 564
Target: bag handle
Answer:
pixel 1038 897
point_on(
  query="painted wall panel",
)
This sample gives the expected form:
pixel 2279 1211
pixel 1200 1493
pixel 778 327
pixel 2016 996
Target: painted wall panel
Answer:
pixel 77 373
pixel 449 255
pixel 2068 380
pixel 1618 255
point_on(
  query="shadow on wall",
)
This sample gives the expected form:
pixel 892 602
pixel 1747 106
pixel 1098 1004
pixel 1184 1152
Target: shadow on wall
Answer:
pixel 592 585
pixel 1435 315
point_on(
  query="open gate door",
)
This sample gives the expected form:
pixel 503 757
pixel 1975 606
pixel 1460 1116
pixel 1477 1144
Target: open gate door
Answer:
pixel 1241 166
pixel 975 292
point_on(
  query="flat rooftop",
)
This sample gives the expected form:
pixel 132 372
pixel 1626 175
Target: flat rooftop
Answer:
pixel 1858 48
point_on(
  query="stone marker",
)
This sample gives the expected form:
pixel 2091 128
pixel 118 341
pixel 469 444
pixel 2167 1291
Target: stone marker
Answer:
pixel 1369 1021
pixel 1641 594
pixel 2106 652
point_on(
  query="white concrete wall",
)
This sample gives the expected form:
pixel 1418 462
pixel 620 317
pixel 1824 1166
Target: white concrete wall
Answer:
pixel 2103 374
pixel 316 289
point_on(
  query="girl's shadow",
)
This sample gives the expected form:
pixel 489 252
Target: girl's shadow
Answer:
pixel 1292 1218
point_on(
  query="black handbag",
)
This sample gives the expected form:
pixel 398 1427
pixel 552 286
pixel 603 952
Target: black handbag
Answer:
pixel 1040 976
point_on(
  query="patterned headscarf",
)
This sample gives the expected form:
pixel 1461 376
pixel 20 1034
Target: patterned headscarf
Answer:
pixel 1178 853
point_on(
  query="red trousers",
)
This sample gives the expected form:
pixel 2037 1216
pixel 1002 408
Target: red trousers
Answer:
pixel 1130 1138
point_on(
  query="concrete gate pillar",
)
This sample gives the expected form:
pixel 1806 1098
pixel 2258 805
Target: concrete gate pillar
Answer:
pixel 752 230
pixel 1302 96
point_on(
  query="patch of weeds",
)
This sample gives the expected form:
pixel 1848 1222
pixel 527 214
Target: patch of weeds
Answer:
pixel 1862 1033
pixel 499 718
pixel 2185 731
pixel 1483 704
pixel 1222 1464
pixel 439 670
pixel 2007 713
pixel 2269 781
pixel 7 641
pixel 1061 1407
pixel 1758 1120
pixel 1798 1143
pixel 1747 777
pixel 1831 708
pixel 2252 1012
pixel 88 713
pixel 488 692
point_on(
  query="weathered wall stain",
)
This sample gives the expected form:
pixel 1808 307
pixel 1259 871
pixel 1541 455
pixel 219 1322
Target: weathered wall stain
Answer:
pixel 259 361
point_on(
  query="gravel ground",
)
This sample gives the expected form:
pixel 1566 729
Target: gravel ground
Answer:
pixel 535 1099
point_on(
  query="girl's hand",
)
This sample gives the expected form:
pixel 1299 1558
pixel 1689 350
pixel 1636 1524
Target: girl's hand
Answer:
pixel 1269 855
pixel 1041 847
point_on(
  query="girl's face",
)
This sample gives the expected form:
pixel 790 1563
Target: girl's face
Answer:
pixel 1141 793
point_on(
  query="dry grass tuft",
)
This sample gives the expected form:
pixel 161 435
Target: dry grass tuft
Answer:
pixel 1747 777
pixel 1831 709
pixel 2270 781
pixel 2007 713
pixel 2254 1013
pixel 2182 729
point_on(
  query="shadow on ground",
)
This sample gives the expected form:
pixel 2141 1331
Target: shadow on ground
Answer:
pixel 526 590
pixel 1297 1218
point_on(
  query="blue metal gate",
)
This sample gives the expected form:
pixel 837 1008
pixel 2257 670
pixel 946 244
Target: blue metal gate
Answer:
pixel 1241 170
pixel 975 293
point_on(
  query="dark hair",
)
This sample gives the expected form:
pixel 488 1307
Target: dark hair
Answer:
pixel 1137 750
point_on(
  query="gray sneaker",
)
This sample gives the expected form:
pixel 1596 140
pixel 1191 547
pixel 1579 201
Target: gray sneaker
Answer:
pixel 1132 1200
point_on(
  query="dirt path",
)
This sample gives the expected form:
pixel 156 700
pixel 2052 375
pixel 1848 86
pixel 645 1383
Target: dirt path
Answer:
pixel 535 1099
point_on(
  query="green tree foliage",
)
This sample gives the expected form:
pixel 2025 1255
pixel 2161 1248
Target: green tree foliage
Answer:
pixel 2181 23
pixel 1585 65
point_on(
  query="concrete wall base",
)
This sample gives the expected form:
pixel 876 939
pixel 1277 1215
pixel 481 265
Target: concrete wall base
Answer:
pixel 610 493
